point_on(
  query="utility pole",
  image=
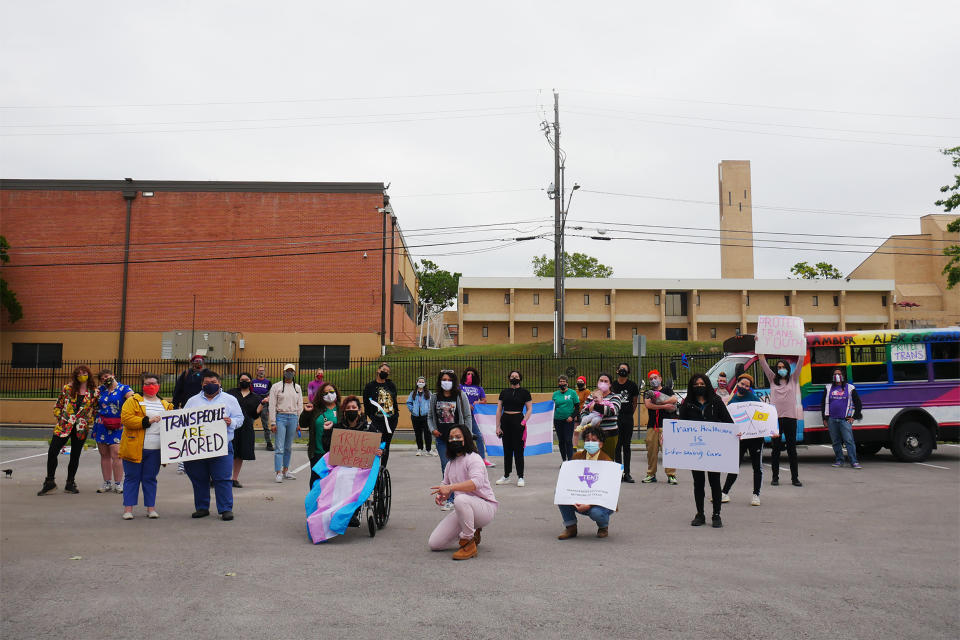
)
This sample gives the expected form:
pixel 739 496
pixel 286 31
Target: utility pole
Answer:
pixel 558 347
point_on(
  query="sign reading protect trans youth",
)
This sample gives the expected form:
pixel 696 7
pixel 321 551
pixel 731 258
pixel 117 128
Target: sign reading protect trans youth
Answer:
pixel 193 434
pixel 781 336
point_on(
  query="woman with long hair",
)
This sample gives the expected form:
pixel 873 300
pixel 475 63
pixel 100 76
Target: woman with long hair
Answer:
pixel 107 429
pixel 449 405
pixel 470 383
pixel 514 407
pixel 74 412
pixel 418 404
pixel 318 420
pixel 244 436
pixel 785 396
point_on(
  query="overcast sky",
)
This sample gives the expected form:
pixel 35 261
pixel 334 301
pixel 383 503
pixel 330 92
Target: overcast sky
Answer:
pixel 447 98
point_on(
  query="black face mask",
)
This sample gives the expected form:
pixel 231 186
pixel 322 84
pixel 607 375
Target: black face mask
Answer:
pixel 580 385
pixel 563 387
pixel 244 384
pixel 384 375
pixel 514 380
pixel 351 414
pixel 700 392
pixel 623 373
pixel 455 447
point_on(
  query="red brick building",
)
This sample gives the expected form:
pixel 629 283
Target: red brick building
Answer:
pixel 286 266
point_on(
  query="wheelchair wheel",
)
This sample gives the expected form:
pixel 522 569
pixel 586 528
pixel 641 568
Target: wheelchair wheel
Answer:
pixel 382 497
pixel 371 526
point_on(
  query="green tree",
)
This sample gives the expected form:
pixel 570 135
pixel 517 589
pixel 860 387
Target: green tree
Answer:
pixel 8 299
pixel 576 265
pixel 437 287
pixel 819 271
pixel 952 268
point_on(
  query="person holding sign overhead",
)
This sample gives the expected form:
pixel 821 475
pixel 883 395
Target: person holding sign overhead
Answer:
pixel 592 442
pixel 140 446
pixel 744 392
pixel 703 404
pixel 220 468
pixel 785 396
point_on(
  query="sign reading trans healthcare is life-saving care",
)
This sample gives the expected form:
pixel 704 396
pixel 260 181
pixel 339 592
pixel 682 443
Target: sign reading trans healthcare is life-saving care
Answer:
pixel 589 482
pixel 703 446
pixel 193 434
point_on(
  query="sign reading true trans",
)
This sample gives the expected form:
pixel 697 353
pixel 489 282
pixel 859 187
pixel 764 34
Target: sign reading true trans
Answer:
pixel 193 434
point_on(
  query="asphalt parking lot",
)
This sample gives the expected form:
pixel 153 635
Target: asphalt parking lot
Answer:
pixel 852 554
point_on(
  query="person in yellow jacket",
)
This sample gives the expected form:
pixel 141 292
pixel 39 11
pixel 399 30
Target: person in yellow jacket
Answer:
pixel 140 446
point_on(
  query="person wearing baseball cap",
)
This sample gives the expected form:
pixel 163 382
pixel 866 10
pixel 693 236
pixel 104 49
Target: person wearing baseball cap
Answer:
pixel 189 383
pixel 286 405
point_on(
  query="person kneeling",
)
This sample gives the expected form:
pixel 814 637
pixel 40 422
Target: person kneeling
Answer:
pixel 475 504
pixel 592 441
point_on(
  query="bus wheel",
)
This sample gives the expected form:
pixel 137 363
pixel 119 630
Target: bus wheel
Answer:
pixel 868 448
pixel 912 442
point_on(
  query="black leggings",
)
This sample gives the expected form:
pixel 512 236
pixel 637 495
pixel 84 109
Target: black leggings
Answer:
pixel 623 445
pixel 698 486
pixel 788 428
pixel 512 442
pixel 755 447
pixel 421 431
pixel 53 455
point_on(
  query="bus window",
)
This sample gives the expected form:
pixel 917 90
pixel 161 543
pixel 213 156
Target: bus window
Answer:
pixel 869 363
pixel 904 371
pixel 870 373
pixel 823 375
pixel 869 353
pixel 828 355
pixel 946 370
pixel 945 350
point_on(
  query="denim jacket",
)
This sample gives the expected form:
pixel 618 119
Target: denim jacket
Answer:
pixel 418 404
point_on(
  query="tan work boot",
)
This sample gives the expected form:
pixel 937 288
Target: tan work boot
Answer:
pixel 467 550
pixel 569 532
pixel 602 532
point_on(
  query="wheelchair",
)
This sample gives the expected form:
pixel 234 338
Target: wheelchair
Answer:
pixel 375 511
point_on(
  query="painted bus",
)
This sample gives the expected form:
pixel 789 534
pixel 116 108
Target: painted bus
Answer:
pixel 908 381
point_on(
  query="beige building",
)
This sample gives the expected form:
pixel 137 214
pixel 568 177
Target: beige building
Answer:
pixel 513 310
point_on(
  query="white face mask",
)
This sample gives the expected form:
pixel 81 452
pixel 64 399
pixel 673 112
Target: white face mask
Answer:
pixel 421 385
pixel 330 397
pixel 837 378
pixel 446 385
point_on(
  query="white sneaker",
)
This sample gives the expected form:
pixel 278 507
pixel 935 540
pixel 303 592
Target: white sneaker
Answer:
pixel 180 469
pixel 279 477
pixel 503 480
pixel 106 487
pixel 289 476
pixel 755 501
pixel 127 515
pixel 435 454
pixel 153 515
pixel 724 498
pixel 446 506
pixel 419 453
pixel 521 482
pixel 118 488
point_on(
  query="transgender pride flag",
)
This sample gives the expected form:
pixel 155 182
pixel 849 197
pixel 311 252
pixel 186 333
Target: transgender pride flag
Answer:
pixel 336 496
pixel 539 438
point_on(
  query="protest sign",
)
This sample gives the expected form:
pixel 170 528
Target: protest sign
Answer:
pixel 349 448
pixel 704 446
pixel 589 482
pixel 754 419
pixel 780 336
pixel 193 434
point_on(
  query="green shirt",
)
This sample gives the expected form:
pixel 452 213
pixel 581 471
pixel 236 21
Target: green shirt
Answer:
pixel 328 414
pixel 566 402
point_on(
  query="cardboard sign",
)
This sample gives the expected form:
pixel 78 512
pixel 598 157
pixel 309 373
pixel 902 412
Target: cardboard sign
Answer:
pixel 754 419
pixel 704 446
pixel 349 448
pixel 193 434
pixel 780 336
pixel 589 482
pixel 908 352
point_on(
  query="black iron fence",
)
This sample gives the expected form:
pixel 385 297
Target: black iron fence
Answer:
pixel 539 372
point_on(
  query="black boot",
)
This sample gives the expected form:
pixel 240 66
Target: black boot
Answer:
pixel 717 523
pixel 48 486
pixel 698 520
pixel 70 487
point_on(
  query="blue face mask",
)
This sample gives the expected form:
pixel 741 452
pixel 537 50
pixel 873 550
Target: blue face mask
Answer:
pixel 783 372
pixel 591 447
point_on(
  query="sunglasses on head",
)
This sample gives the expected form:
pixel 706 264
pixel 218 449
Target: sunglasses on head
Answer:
pixel 446 370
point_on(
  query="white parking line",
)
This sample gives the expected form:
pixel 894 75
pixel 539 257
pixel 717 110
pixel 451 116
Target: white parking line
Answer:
pixel 932 465
pixel 25 458
pixel 301 468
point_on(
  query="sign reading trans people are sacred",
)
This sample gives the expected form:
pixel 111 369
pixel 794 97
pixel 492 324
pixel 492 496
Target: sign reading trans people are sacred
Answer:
pixel 193 434
pixel 780 336
pixel 589 482
pixel 754 419
pixel 703 446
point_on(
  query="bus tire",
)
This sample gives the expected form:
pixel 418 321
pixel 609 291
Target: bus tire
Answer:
pixel 911 442
pixel 865 449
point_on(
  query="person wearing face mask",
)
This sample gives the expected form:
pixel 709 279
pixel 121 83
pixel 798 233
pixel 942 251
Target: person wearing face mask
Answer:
pixel 107 430
pixel 704 405
pixel 314 385
pixel 566 405
pixel 608 405
pixel 475 505
pixel 592 443
pixel 261 386
pixel 839 407
pixel 629 397
pixel 513 405
pixel 140 446
pixel 317 420
pixel 286 405
pixel 418 404
pixel 744 392
pixel 243 436
pixel 219 469
pixel 660 402
pixel 582 392
pixel 449 405
pixel 74 412
pixel 470 383
pixel 785 396
pixel 189 383
pixel 349 417
pixel 384 393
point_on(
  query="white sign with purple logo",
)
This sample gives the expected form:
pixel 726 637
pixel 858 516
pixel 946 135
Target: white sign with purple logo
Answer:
pixel 589 482
pixel 703 446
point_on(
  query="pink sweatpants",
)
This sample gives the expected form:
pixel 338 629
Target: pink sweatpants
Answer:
pixel 469 513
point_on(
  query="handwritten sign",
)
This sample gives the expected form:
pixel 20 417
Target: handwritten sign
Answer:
pixel 349 448
pixel 754 419
pixel 589 482
pixel 704 446
pixel 193 434
pixel 908 352
pixel 781 336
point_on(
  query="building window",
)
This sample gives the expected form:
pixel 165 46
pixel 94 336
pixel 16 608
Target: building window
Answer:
pixel 656 299
pixel 606 299
pixel 324 356
pixel 676 304
pixel 883 301
pixel 466 298
pixel 534 331
pixel 536 298
pixel 633 331
pixel 583 332
pixel 698 299
pixel 748 299
pixel 484 331
pixel 836 301
pixel 786 301
pixel 37 355
pixel 506 298
pixel 608 332
pixel 676 333
pixel 586 299
pixel 713 332
pixel 816 301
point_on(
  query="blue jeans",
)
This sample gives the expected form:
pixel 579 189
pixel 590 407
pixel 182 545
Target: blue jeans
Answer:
pixel 141 474
pixel 478 438
pixel 600 515
pixel 442 452
pixel 286 429
pixel 841 430
pixel 220 470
